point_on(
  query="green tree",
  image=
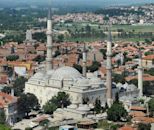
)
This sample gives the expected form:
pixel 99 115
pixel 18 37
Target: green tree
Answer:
pixel 88 28
pixel 60 38
pixel 114 127
pixel 58 101
pixel 78 67
pixel 28 128
pixel 2 117
pixel 142 126
pixel 61 100
pixel 134 81
pixel 85 100
pixel 94 67
pixel 26 103
pixel 6 90
pixel 97 107
pixel 150 71
pixel 39 59
pixel 117 97
pixel 19 85
pixel 40 36
pixel 49 107
pixel 151 106
pixel 148 53
pixel 117 78
pixel 12 58
pixel 147 41
pixel 103 51
pixel 117 112
pixel 57 53
pixel 45 124
pixel 4 127
pixel 106 106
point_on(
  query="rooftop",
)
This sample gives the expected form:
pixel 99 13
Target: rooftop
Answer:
pixel 149 57
pixel 126 128
pixel 138 108
pixel 6 99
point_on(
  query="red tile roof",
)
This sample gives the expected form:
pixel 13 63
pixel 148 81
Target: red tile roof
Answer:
pixel 143 119
pixel 41 48
pixel 4 79
pixel 137 114
pixel 149 57
pixel 103 70
pixel 137 108
pixel 126 128
pixel 6 99
pixel 146 77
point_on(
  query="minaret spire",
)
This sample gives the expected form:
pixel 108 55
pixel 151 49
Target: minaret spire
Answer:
pixel 140 75
pixel 49 45
pixel 109 69
pixel 84 56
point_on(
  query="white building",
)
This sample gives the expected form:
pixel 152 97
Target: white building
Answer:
pixel 67 79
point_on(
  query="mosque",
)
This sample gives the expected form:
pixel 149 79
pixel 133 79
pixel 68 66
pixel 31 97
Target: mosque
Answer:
pixel 47 83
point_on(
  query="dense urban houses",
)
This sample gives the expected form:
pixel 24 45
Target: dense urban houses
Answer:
pixel 8 104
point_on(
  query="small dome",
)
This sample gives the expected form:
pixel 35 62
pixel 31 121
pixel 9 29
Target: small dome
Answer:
pixel 96 80
pixel 119 85
pixel 90 75
pixel 50 72
pixel 84 108
pixel 72 106
pixel 82 82
pixel 38 75
pixel 59 109
pixel 91 106
pixel 132 87
pixel 125 86
pixel 66 73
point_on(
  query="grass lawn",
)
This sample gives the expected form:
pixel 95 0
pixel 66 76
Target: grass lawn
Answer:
pixel 83 39
pixel 4 127
pixel 92 39
pixel 108 125
pixel 127 28
pixel 136 28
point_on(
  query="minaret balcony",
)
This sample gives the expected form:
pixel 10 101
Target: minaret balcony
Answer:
pixel 109 54
pixel 49 46
pixel 140 67
pixel 109 67
pixel 48 59
pixel 49 33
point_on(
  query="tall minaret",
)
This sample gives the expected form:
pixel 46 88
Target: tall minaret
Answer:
pixel 140 75
pixel 84 56
pixel 109 69
pixel 49 64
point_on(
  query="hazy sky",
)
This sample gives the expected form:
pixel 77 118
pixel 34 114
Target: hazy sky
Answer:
pixel 79 2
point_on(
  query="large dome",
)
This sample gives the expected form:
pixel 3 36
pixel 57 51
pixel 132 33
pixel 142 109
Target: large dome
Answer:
pixel 66 72
pixel 38 75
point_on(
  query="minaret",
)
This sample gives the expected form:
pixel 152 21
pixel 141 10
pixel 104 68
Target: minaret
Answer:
pixel 29 35
pixel 12 91
pixel 12 82
pixel 140 75
pixel 84 57
pixel 109 70
pixel 49 65
pixel 122 58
